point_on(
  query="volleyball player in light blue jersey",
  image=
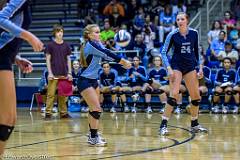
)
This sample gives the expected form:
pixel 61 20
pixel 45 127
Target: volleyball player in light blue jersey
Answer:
pixel 14 22
pixel 91 54
pixel 185 58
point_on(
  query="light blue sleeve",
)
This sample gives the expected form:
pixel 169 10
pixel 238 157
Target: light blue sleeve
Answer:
pixel 166 47
pixel 6 13
pixel 144 76
pixel 99 50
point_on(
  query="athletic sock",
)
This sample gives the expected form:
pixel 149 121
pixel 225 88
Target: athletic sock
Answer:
pixel 194 122
pixel 164 122
pixel 93 133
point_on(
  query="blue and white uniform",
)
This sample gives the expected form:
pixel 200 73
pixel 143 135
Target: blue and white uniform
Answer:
pixel 158 74
pixel 94 52
pixel 137 80
pixel 224 76
pixel 108 80
pixel 185 50
pixel 14 16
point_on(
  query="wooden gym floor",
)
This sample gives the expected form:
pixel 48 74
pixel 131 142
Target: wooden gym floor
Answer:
pixel 129 136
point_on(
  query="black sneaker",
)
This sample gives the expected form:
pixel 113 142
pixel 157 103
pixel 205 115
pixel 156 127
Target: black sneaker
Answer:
pixel 65 116
pixel 47 116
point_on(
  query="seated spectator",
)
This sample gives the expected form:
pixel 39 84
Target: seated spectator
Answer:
pixel 155 81
pixel 107 33
pixel 108 10
pixel 224 84
pixel 214 32
pixel 149 33
pixel 179 6
pixel 217 45
pixel 228 21
pixel 228 52
pixel 138 22
pixel 151 54
pixel 234 38
pixel 109 83
pixel 139 46
pixel 116 19
pixel 167 22
pixel 75 69
pixel 137 76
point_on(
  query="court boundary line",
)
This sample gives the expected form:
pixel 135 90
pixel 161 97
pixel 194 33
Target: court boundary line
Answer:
pixel 122 154
pixel 176 143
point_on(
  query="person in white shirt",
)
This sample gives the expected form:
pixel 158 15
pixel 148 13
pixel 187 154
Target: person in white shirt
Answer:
pixel 214 32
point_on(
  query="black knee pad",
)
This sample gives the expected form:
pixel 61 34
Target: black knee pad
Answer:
pixel 216 94
pixel 172 101
pixel 95 114
pixel 5 132
pixel 195 102
pixel 229 93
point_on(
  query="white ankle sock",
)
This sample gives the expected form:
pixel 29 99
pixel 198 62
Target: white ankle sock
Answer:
pixel 165 118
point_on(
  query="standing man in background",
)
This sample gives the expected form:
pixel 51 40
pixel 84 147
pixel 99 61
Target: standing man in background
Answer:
pixel 59 66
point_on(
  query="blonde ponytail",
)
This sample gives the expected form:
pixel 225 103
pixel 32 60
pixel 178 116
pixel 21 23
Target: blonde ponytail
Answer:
pixel 87 30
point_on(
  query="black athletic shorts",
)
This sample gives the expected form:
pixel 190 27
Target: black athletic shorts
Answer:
pixel 8 54
pixel 182 69
pixel 84 83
